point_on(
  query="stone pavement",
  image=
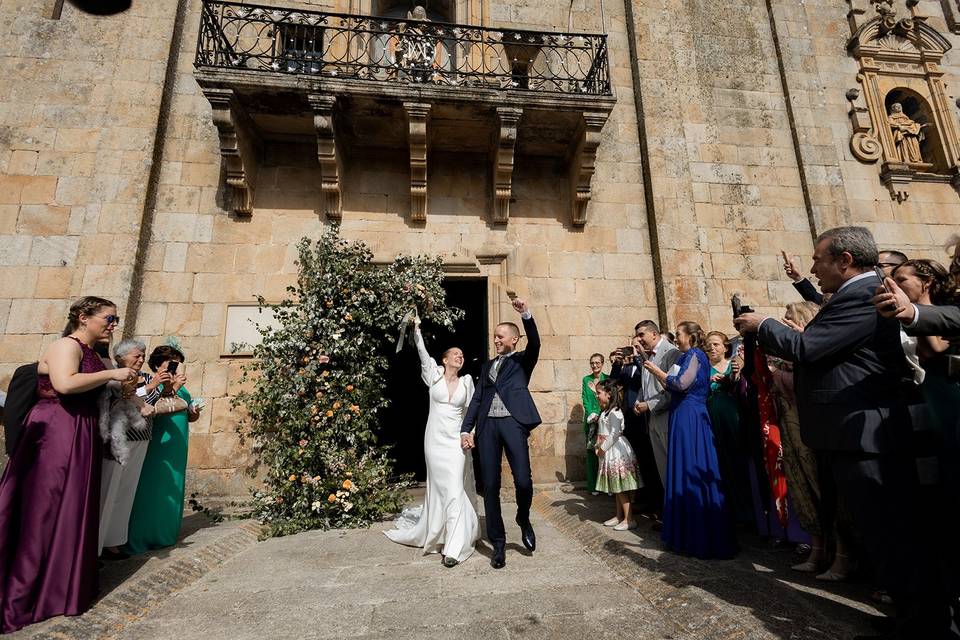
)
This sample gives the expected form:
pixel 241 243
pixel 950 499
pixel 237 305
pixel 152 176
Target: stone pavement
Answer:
pixel 584 582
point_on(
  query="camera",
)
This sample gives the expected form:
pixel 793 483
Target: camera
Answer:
pixel 172 367
pixel 738 308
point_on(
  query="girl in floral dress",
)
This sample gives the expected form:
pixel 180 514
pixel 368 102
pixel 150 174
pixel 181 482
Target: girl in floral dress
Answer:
pixel 618 463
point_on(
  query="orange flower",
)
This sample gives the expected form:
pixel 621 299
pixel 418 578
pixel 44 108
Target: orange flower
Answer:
pixel 325 374
pixel 347 484
pixel 329 414
pixel 292 477
pixel 349 387
pixel 337 405
pixel 331 498
pixel 355 408
pixel 348 317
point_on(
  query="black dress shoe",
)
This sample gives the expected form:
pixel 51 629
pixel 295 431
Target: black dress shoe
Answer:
pixel 449 562
pixel 528 537
pixel 499 560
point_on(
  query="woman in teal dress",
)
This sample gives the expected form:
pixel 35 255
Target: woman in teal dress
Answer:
pixel 728 437
pixel 592 406
pixel 158 506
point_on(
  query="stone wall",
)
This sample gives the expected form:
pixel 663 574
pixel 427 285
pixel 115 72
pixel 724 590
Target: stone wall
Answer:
pixel 79 121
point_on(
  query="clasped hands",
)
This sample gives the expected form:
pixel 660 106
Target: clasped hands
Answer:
pixel 467 442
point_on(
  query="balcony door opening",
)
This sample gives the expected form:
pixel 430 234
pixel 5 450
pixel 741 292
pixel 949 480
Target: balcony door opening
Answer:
pixel 404 421
pixel 437 10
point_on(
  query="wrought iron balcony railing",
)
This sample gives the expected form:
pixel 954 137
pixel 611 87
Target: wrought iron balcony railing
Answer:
pixel 250 37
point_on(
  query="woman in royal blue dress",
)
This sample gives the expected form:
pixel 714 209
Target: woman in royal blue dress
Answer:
pixel 695 521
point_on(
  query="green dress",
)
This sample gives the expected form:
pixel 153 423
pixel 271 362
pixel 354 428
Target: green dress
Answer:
pixel 158 505
pixel 731 445
pixel 590 405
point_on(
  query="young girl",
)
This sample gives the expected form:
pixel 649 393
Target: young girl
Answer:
pixel 618 463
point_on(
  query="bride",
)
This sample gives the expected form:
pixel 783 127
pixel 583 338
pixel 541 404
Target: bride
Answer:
pixel 446 521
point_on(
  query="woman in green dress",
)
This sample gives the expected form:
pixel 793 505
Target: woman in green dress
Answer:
pixel 728 438
pixel 158 506
pixel 592 406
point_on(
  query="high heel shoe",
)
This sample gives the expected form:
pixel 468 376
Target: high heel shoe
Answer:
pixel 831 575
pixel 808 565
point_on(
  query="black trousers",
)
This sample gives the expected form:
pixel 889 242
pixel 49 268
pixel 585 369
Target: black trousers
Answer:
pixel 881 492
pixel 494 436
pixel 637 431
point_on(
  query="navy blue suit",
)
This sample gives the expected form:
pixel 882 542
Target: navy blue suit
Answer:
pixel 494 435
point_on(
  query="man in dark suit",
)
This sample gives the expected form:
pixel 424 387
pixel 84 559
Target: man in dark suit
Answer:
pixel 850 377
pixel 504 414
pixel 888 261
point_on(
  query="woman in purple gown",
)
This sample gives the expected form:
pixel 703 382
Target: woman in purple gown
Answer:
pixel 695 521
pixel 50 490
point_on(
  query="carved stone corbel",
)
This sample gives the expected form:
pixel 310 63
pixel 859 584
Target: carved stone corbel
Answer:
pixel 582 164
pixel 328 155
pixel 863 144
pixel 507 119
pixel 239 146
pixel 418 115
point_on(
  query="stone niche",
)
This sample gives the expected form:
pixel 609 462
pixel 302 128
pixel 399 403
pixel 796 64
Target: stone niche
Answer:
pixel 900 112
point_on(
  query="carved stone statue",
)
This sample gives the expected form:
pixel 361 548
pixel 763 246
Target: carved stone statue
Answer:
pixel 418 13
pixel 907 134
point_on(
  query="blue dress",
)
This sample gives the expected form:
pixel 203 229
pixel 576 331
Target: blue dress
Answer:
pixel 695 521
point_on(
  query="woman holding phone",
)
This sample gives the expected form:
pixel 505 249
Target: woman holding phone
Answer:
pixel 158 505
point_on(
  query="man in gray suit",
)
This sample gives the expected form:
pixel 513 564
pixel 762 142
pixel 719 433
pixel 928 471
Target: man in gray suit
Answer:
pixel 850 378
pixel 656 399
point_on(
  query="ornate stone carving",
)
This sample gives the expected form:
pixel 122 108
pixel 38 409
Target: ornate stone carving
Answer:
pixel 418 116
pixel 900 65
pixel 582 164
pixel 239 146
pixel 328 155
pixel 907 134
pixel 507 120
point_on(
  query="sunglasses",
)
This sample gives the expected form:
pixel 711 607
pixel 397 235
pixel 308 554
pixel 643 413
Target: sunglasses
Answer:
pixel 111 319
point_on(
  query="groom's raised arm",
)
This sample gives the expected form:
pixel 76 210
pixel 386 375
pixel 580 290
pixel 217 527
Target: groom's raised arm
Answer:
pixel 532 353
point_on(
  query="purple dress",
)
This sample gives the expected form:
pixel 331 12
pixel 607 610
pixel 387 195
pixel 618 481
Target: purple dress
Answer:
pixel 50 506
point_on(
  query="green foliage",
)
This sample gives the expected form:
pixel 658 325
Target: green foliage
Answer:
pixel 313 426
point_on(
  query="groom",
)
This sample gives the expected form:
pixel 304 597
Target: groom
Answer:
pixel 505 414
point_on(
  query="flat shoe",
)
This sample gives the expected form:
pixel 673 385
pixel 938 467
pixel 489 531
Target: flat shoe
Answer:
pixel 806 567
pixel 832 576
pixel 625 526
pixel 612 522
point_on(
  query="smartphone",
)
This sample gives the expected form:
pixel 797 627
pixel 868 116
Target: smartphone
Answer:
pixel 642 355
pixel 172 367
pixel 627 352
pixel 882 276
pixel 738 308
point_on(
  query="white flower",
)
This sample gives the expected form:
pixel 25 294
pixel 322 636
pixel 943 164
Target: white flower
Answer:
pixel 347 505
pixel 316 505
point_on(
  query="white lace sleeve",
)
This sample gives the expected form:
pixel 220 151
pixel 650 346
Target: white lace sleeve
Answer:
pixel 430 372
pixel 686 376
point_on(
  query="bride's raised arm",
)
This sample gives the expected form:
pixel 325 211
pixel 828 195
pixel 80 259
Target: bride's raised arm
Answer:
pixel 430 371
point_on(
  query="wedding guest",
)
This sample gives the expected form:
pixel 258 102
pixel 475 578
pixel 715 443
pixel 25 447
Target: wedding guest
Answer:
pixel 849 368
pixel 887 260
pixel 158 505
pixel 126 429
pixel 730 441
pixel 618 463
pixel 588 396
pixel 50 488
pixel 628 372
pixel 695 521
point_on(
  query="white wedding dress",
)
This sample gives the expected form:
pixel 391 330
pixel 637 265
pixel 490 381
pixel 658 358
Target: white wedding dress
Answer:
pixel 447 521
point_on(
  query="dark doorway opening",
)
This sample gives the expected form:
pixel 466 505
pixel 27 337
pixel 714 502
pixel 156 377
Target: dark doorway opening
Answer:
pixel 404 421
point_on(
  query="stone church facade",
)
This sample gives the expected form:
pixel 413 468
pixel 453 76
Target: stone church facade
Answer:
pixel 609 160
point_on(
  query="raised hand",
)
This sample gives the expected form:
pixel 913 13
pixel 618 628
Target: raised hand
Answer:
pixel 790 268
pixel 892 302
pixel 519 305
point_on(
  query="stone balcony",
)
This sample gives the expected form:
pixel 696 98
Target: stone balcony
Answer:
pixel 353 80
